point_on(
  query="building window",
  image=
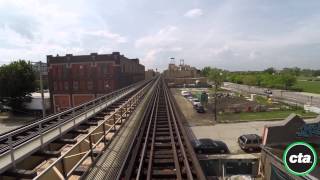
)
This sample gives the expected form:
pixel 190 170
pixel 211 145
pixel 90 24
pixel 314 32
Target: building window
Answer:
pixel 75 85
pixel 90 85
pixel 106 85
pixel 66 85
pixel 65 71
pixel 104 68
pixel 55 86
pixel 81 69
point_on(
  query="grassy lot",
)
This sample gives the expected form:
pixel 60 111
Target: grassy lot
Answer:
pixel 251 116
pixel 308 86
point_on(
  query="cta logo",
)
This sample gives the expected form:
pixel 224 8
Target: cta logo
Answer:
pixel 300 158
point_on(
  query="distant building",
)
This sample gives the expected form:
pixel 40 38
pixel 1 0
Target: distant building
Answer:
pixel 149 74
pixel 181 71
pixel 43 68
pixel 183 75
pixel 74 80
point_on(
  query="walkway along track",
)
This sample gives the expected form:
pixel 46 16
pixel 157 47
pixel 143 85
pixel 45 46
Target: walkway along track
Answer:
pixel 161 149
pixel 103 115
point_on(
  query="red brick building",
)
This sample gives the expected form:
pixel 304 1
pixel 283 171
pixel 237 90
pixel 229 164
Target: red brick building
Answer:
pixel 74 80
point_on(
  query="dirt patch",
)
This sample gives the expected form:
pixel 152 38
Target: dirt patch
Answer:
pixel 193 118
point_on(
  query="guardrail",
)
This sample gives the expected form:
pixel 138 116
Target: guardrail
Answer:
pixel 10 142
pixel 88 147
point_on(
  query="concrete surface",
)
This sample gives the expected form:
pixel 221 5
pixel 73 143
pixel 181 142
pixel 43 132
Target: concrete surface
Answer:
pixel 229 133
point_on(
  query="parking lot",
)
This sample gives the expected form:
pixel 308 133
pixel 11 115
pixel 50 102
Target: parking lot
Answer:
pixel 204 126
pixel 230 132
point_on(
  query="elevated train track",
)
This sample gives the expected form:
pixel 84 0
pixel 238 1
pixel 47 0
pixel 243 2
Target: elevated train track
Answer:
pixel 37 138
pixel 161 148
pixel 75 144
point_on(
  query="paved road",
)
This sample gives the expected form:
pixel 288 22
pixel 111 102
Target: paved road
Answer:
pixel 229 133
pixel 294 97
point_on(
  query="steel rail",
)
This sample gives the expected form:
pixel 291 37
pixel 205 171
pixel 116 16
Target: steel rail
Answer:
pixel 149 170
pixel 182 148
pixel 173 143
pixel 143 152
pixel 57 117
pixel 131 164
pixel 185 134
pixel 116 116
pixel 35 131
pixel 172 147
pixel 136 139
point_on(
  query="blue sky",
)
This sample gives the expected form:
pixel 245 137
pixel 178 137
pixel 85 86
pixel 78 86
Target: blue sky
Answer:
pixel 229 34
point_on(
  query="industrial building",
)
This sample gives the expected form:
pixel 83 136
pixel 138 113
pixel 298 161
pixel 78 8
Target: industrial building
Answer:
pixel 150 73
pixel 74 80
pixel 183 75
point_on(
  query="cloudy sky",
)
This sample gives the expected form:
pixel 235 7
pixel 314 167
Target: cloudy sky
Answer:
pixel 229 34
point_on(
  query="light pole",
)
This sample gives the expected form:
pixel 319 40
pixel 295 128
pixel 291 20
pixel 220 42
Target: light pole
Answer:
pixel 40 69
pixel 217 83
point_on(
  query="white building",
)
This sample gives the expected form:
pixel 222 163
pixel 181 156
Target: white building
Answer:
pixel 36 102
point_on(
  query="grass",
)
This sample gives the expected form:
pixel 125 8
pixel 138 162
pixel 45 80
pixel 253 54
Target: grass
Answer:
pixel 262 100
pixel 252 116
pixel 308 86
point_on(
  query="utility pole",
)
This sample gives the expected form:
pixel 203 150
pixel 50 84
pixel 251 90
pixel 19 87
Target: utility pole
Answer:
pixel 41 90
pixel 215 102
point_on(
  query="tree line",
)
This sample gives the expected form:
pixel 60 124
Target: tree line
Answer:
pixel 17 81
pixel 269 78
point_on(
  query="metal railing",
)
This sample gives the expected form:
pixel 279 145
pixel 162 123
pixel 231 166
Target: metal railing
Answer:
pixel 12 140
pixel 66 165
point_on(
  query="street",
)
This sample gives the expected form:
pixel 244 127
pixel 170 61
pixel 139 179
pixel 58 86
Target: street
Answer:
pixel 301 98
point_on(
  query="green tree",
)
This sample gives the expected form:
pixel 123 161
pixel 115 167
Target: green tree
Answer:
pixel 270 70
pixel 288 80
pixel 17 81
pixel 205 71
pixel 250 80
pixel 217 77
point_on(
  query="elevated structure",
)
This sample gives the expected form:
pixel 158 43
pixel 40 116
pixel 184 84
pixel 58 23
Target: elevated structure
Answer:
pixel 36 137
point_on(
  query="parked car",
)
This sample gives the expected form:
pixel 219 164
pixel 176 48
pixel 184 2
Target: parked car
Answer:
pixel 185 93
pixel 268 91
pixel 200 109
pixel 195 102
pixel 189 98
pixel 250 142
pixel 209 146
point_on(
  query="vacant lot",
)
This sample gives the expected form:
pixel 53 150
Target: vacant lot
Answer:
pixel 308 86
pixel 193 118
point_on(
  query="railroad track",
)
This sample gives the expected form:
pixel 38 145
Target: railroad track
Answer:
pixel 11 141
pixel 161 149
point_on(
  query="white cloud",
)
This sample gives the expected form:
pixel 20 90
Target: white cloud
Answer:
pixel 162 38
pixel 154 31
pixel 192 13
pixel 33 29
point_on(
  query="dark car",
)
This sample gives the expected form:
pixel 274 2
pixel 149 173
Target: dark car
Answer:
pixel 250 142
pixel 268 91
pixel 209 146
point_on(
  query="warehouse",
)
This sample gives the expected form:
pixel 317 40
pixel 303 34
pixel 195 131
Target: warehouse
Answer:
pixel 74 80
